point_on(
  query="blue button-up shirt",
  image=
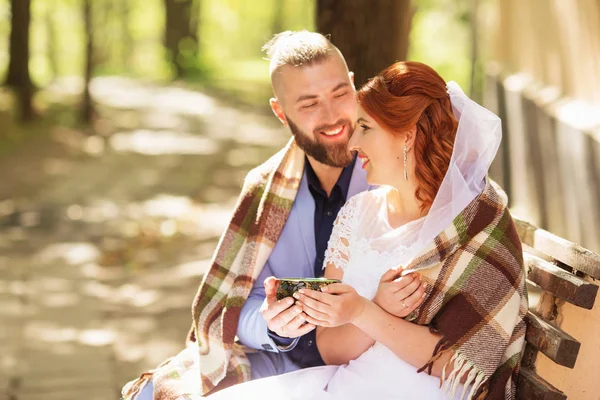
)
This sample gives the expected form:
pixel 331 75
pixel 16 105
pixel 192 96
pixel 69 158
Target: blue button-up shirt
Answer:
pixel 306 354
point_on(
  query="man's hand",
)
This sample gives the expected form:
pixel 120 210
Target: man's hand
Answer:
pixel 399 295
pixel 282 317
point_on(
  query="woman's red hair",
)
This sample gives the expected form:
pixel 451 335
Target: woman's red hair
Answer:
pixel 409 94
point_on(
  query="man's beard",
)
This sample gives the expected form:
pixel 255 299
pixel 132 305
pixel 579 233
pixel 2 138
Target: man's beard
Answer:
pixel 335 155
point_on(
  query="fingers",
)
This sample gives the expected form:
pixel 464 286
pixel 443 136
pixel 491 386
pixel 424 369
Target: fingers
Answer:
pixel 406 283
pixel 315 321
pixel 390 275
pixel 315 313
pixel 314 294
pixel 270 289
pixel 295 323
pixel 305 300
pixel 410 288
pixel 277 308
pixel 304 329
pixel 336 288
pixel 284 317
pixel 413 301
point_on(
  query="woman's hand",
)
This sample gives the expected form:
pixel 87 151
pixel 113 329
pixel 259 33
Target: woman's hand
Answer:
pixel 340 304
pixel 399 296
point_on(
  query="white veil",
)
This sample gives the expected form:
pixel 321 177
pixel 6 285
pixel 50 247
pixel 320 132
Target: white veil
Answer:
pixel 475 146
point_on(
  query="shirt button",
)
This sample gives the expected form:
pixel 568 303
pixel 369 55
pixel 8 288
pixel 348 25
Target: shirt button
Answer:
pixel 329 213
pixel 310 342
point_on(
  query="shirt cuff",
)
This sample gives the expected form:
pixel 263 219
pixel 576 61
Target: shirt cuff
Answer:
pixel 282 343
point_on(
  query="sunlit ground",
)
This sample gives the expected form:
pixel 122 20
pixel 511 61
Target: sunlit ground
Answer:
pixel 104 238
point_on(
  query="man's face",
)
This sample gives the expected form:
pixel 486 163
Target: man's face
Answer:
pixel 319 106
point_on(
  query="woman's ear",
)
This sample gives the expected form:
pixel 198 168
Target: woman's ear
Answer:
pixel 278 110
pixel 409 140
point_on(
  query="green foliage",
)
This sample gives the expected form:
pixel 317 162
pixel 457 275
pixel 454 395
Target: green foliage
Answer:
pixel 129 40
pixel 440 38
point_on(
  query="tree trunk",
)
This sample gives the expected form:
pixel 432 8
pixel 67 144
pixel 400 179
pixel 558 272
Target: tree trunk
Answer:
pixel 181 38
pixel 87 109
pixel 18 76
pixel 370 34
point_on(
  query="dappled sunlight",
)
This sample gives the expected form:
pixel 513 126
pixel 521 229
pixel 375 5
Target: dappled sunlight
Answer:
pixel 134 295
pixel 246 130
pixel 168 206
pixel 99 210
pixel 119 92
pixel 72 139
pixel 53 284
pixel 57 166
pixel 66 86
pixel 11 307
pixel 71 253
pixel 51 332
pixel 60 300
pixel 94 145
pixel 29 218
pixel 162 142
pixel 239 157
pixel 122 237
pixel 164 120
pixel 183 101
pixel 7 207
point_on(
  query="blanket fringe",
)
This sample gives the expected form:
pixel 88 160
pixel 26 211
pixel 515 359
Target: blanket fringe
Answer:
pixel 462 366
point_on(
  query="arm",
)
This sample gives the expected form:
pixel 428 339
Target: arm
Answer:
pixel 417 342
pixel 340 304
pixel 343 343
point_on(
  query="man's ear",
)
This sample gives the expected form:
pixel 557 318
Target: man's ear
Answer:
pixel 351 76
pixel 278 110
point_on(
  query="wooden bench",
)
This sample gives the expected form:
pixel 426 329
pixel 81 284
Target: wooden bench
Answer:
pixel 557 267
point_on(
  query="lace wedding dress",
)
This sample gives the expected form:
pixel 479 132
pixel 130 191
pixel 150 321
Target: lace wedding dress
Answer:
pixel 365 245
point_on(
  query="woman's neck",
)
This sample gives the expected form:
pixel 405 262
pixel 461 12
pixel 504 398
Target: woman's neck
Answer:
pixel 402 204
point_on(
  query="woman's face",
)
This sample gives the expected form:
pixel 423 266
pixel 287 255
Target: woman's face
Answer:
pixel 381 151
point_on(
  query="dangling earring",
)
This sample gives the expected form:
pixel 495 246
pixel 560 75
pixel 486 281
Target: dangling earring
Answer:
pixel 405 173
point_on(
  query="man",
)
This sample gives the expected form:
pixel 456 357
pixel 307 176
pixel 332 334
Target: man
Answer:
pixel 310 180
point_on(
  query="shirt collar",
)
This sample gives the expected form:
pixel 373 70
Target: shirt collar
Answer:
pixel 343 182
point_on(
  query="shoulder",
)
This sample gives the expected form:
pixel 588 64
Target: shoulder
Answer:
pixel 372 196
pixel 364 201
pixel 259 175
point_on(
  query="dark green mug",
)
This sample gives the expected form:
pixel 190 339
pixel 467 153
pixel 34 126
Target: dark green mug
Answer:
pixel 286 287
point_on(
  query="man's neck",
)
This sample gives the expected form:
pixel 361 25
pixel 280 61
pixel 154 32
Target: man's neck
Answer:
pixel 326 174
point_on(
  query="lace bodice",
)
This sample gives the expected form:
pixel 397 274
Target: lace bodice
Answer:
pixel 365 245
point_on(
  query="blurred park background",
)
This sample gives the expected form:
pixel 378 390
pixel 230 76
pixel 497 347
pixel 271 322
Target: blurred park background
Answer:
pixel 127 126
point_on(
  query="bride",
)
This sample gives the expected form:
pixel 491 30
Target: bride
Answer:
pixel 435 213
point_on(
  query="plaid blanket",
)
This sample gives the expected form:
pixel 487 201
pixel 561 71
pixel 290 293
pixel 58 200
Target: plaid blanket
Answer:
pixel 211 355
pixel 476 301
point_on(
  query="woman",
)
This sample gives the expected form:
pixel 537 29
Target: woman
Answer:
pixel 435 213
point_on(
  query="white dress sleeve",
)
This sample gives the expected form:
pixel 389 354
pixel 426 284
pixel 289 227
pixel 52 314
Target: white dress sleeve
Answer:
pixel 338 247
